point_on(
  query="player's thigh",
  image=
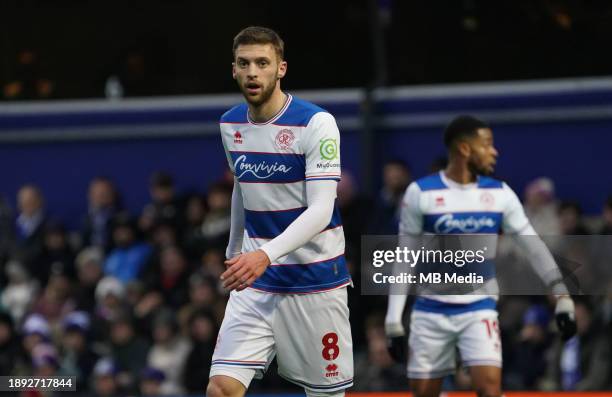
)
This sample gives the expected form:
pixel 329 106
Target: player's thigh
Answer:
pixel 479 340
pixel 431 346
pixel 245 346
pixel 314 343
pixel 486 380
pixel 426 387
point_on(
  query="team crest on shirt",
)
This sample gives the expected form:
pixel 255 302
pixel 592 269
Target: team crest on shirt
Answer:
pixel 440 201
pixel 237 137
pixel 284 139
pixel 487 200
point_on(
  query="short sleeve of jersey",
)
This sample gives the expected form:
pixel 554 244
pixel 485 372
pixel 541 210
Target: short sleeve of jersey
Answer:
pixel 411 215
pixel 514 218
pixel 230 163
pixel 321 145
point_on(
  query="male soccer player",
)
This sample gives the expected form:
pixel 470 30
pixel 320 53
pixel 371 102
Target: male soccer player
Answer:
pixel 286 266
pixel 462 199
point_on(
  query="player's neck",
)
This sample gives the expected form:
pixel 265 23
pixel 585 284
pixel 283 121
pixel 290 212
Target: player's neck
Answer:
pixel 459 173
pixel 268 109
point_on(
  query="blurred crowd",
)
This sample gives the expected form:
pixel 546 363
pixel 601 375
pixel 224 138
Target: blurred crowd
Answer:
pixel 131 304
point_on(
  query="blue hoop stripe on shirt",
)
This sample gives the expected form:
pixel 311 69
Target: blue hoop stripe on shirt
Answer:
pixel 433 306
pixel 269 224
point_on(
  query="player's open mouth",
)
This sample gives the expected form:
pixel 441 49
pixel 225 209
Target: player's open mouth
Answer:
pixel 253 88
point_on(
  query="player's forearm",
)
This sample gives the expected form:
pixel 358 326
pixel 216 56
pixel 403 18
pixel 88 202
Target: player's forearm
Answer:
pixel 234 246
pixel 321 196
pixel 542 261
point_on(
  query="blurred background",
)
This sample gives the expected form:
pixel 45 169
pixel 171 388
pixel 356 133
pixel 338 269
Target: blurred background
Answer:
pixel 115 195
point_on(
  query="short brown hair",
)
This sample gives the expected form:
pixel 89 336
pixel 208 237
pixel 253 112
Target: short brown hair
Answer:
pixel 260 35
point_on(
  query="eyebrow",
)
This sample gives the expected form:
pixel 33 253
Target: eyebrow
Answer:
pixel 258 59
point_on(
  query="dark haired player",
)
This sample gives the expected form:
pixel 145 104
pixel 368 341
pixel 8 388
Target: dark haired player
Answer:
pixel 463 199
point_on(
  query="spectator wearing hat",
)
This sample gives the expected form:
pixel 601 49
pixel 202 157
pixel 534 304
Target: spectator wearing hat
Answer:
pixel 9 348
pixel 104 378
pixel 151 381
pixel 89 272
pixel 541 207
pixel 127 259
pixel 18 294
pixel 77 357
pixel 110 304
pixel 169 351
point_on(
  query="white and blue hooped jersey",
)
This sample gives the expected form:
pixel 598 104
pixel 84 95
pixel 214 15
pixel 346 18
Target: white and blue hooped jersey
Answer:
pixel 273 161
pixel 438 205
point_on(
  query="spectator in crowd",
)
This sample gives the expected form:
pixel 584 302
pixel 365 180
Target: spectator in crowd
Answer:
pixel 527 361
pixel 129 352
pixel 35 331
pixel 203 333
pixel 541 207
pixel 385 215
pixel 110 305
pixel 9 346
pixel 216 225
pixel 192 236
pixel 104 378
pixel 89 272
pixel 151 382
pixel 375 370
pixel 29 225
pixel 27 81
pixel 607 217
pixel 570 219
pixel 127 259
pixel 169 351
pixel 172 279
pixel 45 360
pixel 102 207
pixel 352 209
pixel 583 362
pixel 56 300
pixel 20 291
pixel 164 205
pixel 78 359
pixel 57 255
pixel 6 230
pixel 202 296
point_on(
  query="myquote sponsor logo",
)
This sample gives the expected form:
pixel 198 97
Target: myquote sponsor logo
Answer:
pixel 472 224
pixel 260 170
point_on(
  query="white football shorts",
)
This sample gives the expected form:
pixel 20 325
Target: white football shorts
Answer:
pixel 434 339
pixel 310 335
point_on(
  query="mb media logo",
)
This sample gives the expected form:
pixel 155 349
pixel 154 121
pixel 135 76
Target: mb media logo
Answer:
pixel 332 371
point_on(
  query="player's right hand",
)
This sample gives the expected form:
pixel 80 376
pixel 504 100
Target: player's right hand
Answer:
pixel 244 269
pixel 397 343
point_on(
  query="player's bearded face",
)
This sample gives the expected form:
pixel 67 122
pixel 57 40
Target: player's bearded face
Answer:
pixel 483 155
pixel 257 70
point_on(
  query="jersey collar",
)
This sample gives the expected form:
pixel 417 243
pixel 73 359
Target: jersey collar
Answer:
pixel 276 116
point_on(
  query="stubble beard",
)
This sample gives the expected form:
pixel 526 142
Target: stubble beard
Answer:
pixel 264 97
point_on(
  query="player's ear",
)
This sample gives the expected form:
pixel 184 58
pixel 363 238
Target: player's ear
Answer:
pixel 234 70
pixel 463 148
pixel 282 69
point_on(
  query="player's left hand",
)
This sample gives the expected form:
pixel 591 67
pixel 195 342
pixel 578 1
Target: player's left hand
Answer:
pixel 244 269
pixel 565 317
